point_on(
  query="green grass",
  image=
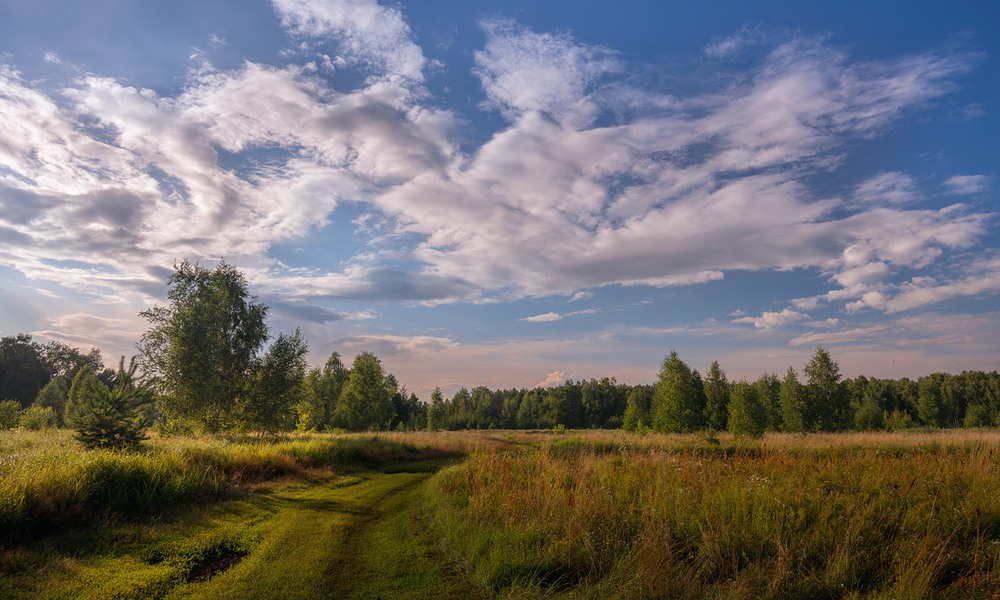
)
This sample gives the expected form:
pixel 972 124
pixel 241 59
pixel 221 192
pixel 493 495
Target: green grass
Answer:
pixel 321 539
pixel 526 515
pixel 47 481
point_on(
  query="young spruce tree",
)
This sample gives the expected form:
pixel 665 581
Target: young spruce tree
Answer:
pixel 111 418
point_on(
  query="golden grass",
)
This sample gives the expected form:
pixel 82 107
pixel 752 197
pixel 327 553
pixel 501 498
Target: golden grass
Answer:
pixel 609 515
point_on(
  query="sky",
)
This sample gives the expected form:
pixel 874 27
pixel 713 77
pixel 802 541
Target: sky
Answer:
pixel 515 193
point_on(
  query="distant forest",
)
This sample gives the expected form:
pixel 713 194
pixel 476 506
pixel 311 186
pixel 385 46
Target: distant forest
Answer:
pixel 202 366
pixel 44 381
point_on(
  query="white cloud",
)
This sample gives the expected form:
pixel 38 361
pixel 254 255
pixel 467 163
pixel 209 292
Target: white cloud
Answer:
pixel 770 320
pixel 968 184
pixel 391 346
pixel 671 191
pixel 737 43
pixel 887 188
pixel 838 337
pixel 544 318
pixel 553 379
pixel 364 30
pixel 522 70
pixel 551 316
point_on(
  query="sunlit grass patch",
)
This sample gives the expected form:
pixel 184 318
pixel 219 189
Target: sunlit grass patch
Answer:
pixel 47 479
pixel 876 515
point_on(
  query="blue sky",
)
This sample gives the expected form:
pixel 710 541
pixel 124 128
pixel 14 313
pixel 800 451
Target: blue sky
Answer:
pixel 512 193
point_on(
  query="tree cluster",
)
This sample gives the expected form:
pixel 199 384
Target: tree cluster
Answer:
pixel 205 367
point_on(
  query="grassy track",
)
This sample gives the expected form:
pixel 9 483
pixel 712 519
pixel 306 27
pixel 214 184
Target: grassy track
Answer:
pixel 356 536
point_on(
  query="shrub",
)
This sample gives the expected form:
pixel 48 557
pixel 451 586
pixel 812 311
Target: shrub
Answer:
pixel 10 414
pixel 37 417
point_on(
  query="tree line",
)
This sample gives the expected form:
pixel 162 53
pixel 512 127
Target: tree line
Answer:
pixel 203 366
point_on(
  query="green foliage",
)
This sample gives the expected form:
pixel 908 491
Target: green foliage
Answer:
pixel 435 411
pixel 716 397
pixel 278 386
pixel 637 417
pixel 10 414
pixel 747 414
pixel 203 346
pixel 899 420
pixel 311 412
pixel 34 418
pixel 23 370
pixel 768 388
pixel 794 411
pixel 85 383
pixel 366 401
pixel 931 406
pixel 677 402
pixel 826 397
pixel 110 418
pixel 978 415
pixel 54 395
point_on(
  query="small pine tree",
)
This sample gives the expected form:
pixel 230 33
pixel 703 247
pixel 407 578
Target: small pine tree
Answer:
pixel 110 418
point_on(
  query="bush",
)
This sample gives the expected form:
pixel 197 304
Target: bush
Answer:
pixel 37 417
pixel 10 414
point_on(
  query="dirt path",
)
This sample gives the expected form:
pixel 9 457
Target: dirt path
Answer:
pixel 366 540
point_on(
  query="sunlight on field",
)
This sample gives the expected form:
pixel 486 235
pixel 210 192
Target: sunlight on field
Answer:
pixel 591 514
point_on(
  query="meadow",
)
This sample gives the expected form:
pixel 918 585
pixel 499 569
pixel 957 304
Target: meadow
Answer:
pixel 585 514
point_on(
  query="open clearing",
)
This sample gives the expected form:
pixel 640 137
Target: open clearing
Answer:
pixel 584 515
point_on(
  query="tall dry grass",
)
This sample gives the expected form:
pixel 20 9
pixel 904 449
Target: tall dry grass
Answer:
pixel 821 516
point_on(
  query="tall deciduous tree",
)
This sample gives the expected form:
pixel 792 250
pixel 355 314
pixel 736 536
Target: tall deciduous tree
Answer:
pixel 677 405
pixel 794 414
pixel 204 344
pixel 825 393
pixel 636 418
pixel 769 390
pixel 435 411
pixel 716 397
pixel 278 386
pixel 747 415
pixel 366 400
pixel 23 369
pixel 54 396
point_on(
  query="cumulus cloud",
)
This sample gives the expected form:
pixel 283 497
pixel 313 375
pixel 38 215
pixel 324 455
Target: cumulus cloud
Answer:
pixel 553 379
pixel 770 320
pixel 522 70
pixel 673 191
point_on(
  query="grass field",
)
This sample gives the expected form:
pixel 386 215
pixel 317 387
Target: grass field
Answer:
pixel 522 515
